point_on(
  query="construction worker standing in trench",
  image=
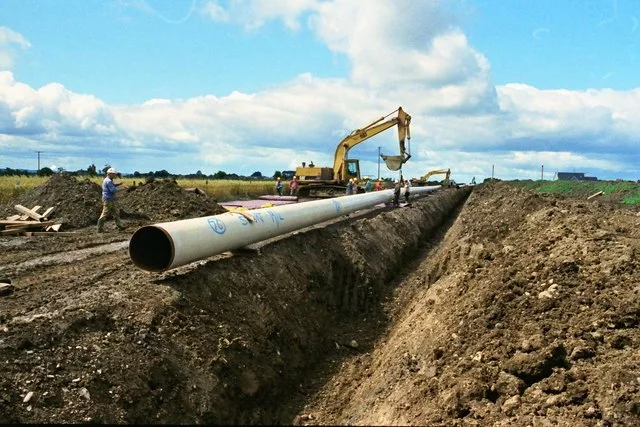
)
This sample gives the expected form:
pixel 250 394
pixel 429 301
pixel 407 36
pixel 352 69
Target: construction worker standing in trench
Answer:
pixel 396 192
pixel 109 204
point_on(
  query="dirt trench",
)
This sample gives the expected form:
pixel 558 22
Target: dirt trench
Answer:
pixel 232 339
pixel 527 313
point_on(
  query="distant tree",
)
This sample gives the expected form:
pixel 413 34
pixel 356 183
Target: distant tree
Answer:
pixel 136 174
pixel 92 170
pixel 161 174
pixel 256 174
pixel 220 175
pixel 277 174
pixel 199 174
pixel 45 171
pixel 288 174
pixel 105 169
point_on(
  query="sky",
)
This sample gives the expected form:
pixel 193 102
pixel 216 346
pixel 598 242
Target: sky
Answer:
pixel 511 89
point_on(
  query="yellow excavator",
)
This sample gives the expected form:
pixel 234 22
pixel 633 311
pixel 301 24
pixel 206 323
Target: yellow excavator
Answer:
pixel 326 181
pixel 446 172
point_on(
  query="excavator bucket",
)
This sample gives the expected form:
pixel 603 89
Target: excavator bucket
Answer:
pixel 394 163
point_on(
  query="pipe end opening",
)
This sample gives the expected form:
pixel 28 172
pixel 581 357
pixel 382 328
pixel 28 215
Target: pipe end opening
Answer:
pixel 151 249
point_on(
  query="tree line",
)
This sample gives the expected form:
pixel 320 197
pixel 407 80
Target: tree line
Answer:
pixel 92 171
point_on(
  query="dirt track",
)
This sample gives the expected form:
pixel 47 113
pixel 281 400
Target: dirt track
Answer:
pixel 525 312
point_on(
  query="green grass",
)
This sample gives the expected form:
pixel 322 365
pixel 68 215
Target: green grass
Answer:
pixel 625 192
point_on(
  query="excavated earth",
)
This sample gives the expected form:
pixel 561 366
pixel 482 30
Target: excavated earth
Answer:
pixel 491 307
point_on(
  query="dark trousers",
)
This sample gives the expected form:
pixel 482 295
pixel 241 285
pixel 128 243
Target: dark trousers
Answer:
pixel 396 198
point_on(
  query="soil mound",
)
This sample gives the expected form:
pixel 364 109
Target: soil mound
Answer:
pixel 90 338
pixel 77 202
pixel 165 200
pixel 528 314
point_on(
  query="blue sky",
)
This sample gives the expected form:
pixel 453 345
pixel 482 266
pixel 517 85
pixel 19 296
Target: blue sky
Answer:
pixel 262 85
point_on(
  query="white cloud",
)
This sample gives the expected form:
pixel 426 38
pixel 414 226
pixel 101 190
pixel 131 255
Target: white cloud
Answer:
pixel 419 60
pixel 51 110
pixel 10 39
pixel 403 46
pixel 604 117
pixel 253 14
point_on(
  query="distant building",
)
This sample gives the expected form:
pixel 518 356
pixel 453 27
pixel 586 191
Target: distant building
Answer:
pixel 575 176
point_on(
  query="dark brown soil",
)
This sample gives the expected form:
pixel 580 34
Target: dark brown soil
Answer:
pixel 78 203
pixel 524 313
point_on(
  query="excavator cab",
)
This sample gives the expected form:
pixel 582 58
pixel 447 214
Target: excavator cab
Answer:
pixel 352 168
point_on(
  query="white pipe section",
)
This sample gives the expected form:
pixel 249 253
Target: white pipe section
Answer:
pixel 168 245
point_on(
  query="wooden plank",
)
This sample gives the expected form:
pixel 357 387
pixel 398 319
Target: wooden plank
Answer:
pixel 48 212
pixel 12 222
pixel 12 231
pixel 36 208
pixel 599 193
pixel 24 217
pixel 51 233
pixel 13 217
pixel 54 227
pixel 28 212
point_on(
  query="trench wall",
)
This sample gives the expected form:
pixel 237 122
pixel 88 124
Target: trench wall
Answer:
pixel 229 342
pixel 257 323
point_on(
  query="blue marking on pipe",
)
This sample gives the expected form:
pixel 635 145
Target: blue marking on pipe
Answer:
pixel 217 225
pixel 275 217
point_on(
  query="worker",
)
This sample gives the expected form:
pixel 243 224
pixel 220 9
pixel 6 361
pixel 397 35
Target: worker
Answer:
pixel 378 186
pixel 350 187
pixel 109 203
pixel 311 164
pixel 407 189
pixel 368 186
pixel 279 186
pixel 293 186
pixel 396 193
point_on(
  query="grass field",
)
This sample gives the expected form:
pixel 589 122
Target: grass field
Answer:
pixel 624 192
pixel 221 190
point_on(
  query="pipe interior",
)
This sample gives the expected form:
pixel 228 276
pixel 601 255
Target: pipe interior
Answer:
pixel 151 249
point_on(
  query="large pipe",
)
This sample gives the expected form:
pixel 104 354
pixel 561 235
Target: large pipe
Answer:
pixel 167 245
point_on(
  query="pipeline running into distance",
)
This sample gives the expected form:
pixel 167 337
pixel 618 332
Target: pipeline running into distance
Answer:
pixel 168 245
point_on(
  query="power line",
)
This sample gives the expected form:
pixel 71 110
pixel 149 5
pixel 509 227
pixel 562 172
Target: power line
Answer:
pixel 38 159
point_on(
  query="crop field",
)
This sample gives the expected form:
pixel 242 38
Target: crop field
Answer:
pixel 221 190
pixel 625 192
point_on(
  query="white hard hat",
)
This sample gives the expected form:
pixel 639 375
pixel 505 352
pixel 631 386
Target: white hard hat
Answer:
pixel 111 170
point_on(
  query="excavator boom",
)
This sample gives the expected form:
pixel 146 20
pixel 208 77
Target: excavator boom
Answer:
pixel 402 120
pixel 445 172
pixel 404 137
pixel 334 178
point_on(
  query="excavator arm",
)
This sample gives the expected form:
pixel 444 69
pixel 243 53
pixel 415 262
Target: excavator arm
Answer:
pixel 445 172
pixel 402 120
pixel 394 163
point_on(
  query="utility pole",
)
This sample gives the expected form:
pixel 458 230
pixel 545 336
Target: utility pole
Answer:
pixel 379 155
pixel 38 159
pixel 542 173
pixel 492 169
